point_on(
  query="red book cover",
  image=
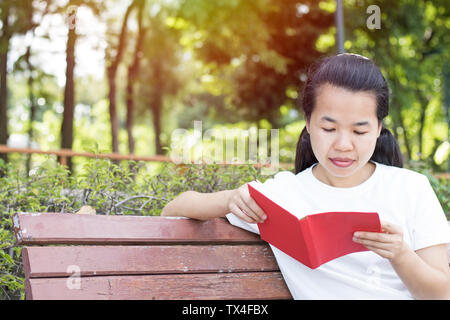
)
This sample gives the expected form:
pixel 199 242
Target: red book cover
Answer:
pixel 316 238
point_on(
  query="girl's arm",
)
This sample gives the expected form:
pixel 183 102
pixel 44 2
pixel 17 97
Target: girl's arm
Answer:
pixel 201 206
pixel 424 272
pixel 204 206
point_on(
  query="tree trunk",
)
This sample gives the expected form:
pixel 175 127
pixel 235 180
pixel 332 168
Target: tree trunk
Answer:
pixel 156 111
pixel 112 71
pixel 156 107
pixel 4 48
pixel 69 95
pixel 446 102
pixel 113 111
pixel 133 71
pixel 405 136
pixel 3 103
pixel 398 119
pixel 32 106
pixel 424 102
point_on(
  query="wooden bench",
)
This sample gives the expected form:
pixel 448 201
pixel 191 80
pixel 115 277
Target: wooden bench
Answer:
pixel 68 256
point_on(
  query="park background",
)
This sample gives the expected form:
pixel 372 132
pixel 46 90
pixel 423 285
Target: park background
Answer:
pixel 119 76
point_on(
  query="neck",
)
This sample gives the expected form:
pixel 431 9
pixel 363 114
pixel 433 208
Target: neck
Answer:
pixel 357 178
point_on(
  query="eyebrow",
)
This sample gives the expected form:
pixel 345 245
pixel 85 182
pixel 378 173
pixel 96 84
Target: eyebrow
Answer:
pixel 361 123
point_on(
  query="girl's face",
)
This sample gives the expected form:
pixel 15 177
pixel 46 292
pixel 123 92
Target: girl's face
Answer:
pixel 343 130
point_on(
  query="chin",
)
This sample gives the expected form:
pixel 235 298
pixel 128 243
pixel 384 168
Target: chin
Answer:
pixel 341 172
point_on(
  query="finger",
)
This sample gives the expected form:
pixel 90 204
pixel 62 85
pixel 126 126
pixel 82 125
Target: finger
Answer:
pixel 251 204
pixel 383 253
pixel 375 236
pixel 241 214
pixel 256 209
pixel 374 244
pixel 247 202
pixel 248 211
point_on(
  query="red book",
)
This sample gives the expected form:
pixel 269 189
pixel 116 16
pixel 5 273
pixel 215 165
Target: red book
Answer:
pixel 315 238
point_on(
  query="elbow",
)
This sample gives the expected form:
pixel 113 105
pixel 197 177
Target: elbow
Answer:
pixel 172 209
pixel 168 211
pixel 442 292
pixel 164 212
pixel 444 295
pixel 447 294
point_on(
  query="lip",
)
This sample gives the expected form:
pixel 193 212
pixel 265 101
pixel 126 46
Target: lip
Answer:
pixel 342 159
pixel 342 162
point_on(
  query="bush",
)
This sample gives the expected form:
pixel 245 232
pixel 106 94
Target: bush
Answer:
pixel 441 186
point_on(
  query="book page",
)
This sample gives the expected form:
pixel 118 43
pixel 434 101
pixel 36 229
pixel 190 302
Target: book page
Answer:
pixel 283 201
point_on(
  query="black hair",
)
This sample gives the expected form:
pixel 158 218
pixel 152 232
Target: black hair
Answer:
pixel 355 73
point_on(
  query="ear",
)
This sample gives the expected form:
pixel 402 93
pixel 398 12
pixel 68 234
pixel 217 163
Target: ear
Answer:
pixel 380 126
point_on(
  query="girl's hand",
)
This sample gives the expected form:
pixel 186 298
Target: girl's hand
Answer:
pixel 388 244
pixel 242 205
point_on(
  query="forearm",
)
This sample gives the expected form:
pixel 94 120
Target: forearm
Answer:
pixel 421 279
pixel 201 206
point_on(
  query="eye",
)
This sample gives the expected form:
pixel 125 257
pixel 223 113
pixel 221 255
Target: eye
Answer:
pixel 357 132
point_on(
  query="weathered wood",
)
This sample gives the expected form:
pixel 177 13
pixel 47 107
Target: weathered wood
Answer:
pixel 257 285
pixel 56 228
pixel 119 260
pixel 134 257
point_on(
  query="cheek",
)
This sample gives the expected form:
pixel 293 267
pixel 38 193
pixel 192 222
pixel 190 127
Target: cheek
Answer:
pixel 321 142
pixel 369 139
pixel 366 144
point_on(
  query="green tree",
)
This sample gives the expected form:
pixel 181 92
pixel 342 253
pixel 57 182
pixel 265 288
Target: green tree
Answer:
pixel 114 55
pixel 15 19
pixel 133 72
pixel 411 47
pixel 69 11
pixel 159 77
pixel 262 47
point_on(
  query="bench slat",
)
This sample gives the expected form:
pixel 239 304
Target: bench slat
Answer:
pixel 255 285
pixel 60 228
pixel 120 260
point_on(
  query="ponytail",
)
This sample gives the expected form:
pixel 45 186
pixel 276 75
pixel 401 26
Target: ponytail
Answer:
pixel 387 150
pixel 304 157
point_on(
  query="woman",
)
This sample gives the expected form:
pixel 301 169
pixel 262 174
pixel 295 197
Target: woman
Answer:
pixel 347 161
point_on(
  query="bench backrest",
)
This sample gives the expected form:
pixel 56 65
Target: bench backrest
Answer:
pixel 68 256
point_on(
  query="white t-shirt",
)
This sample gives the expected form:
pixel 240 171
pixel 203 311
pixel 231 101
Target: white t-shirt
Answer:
pixel 400 196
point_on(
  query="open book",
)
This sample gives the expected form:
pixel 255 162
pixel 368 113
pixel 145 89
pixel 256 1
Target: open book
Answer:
pixel 312 239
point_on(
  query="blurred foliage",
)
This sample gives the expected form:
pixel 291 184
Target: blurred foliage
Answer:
pixel 413 51
pixel 440 184
pixel 225 62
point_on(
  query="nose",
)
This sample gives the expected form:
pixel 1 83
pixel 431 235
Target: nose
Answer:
pixel 343 142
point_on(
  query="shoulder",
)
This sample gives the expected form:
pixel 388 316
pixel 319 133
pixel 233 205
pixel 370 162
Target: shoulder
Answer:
pixel 401 177
pixel 281 177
